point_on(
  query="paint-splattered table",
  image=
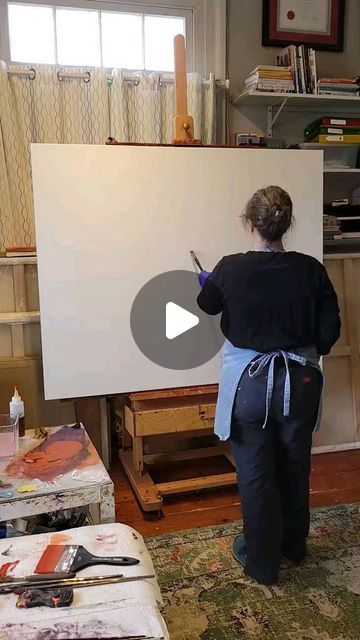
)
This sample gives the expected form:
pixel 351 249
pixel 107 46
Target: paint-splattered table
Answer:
pixel 57 468
pixel 108 611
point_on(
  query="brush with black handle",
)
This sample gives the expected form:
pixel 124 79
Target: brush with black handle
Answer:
pixel 73 557
pixel 203 275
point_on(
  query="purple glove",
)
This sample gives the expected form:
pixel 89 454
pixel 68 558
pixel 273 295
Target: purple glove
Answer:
pixel 203 276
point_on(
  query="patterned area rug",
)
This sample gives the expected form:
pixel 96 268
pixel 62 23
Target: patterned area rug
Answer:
pixel 208 597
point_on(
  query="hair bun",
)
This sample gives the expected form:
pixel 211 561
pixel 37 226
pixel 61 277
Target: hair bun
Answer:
pixel 269 211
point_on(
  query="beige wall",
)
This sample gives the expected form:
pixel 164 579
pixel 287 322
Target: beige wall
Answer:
pixel 245 52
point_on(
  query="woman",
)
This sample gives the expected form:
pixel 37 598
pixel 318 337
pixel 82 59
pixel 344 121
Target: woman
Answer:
pixel 279 315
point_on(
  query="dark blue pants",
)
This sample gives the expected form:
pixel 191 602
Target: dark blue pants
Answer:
pixel 273 466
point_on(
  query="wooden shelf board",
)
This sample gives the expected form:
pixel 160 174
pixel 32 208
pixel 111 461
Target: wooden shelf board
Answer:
pixel 261 98
pixel 334 170
pixel 322 146
pixel 341 256
pixel 19 317
pixel 5 262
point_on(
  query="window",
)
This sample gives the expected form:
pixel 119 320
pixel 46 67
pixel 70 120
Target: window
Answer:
pixel 56 34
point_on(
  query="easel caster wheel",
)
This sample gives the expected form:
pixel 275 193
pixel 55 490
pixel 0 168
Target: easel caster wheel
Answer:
pixel 153 515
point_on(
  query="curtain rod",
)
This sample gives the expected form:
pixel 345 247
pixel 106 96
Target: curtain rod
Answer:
pixel 30 73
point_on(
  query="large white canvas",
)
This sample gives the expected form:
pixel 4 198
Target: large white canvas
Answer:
pixel 108 219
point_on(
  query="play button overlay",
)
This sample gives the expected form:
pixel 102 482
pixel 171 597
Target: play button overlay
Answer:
pixel 178 320
pixel 169 327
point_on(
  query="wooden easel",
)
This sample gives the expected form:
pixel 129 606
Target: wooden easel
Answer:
pixel 183 122
pixel 180 412
pixel 184 412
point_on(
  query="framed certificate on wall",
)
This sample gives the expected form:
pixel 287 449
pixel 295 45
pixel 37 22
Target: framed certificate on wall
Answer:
pixel 316 23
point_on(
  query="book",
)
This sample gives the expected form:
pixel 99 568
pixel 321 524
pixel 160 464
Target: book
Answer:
pixel 302 69
pixel 353 139
pixel 20 252
pixel 346 122
pixel 339 80
pixel 322 131
pixel 260 86
pixel 268 90
pixel 254 79
pixel 276 68
pixel 298 70
pixel 329 121
pixel 313 73
pixel 348 88
pixel 305 58
pixel 351 234
pixel 346 94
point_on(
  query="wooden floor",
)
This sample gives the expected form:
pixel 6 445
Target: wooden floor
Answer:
pixel 335 480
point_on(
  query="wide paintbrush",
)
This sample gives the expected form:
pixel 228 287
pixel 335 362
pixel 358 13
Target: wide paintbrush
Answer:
pixel 71 557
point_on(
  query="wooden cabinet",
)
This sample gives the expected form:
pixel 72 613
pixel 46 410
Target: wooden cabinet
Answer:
pixel 340 426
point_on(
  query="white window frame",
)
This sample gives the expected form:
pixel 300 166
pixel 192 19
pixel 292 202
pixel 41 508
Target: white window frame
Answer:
pixel 205 26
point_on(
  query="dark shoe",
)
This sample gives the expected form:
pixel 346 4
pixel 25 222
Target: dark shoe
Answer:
pixel 239 549
pixel 294 555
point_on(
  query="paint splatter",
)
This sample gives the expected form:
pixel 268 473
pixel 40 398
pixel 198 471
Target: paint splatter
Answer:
pixel 60 538
pixel 25 488
pixel 109 538
pixel 8 567
pixel 7 551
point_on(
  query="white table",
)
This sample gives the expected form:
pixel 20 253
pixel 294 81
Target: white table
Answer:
pixel 81 481
pixel 109 611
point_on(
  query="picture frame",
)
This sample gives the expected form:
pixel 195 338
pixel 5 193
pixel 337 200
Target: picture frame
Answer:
pixel 317 23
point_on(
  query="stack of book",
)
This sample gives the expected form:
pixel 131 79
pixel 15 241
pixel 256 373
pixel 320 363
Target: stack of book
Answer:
pixel 339 87
pixel 274 79
pixel 331 228
pixel 347 218
pixel 334 130
pixel 302 61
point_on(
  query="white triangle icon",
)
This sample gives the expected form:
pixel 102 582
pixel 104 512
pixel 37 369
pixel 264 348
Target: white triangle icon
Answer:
pixel 178 320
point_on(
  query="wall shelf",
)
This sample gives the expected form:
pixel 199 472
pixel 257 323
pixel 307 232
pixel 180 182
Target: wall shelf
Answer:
pixel 5 262
pixel 276 102
pixel 309 100
pixel 19 317
pixel 335 170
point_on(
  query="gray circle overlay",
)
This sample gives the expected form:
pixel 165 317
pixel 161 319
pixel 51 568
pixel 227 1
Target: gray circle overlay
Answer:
pixel 191 349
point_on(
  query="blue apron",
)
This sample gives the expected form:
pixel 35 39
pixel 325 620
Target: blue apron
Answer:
pixel 235 361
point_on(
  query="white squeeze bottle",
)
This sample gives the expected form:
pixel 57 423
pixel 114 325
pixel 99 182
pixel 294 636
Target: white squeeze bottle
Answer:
pixel 17 409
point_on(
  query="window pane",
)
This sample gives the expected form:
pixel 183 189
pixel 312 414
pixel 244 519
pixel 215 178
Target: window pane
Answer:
pixel 31 31
pixel 78 37
pixel 159 41
pixel 122 44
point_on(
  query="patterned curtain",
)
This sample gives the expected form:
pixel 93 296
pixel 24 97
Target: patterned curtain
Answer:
pixel 55 109
pixel 144 111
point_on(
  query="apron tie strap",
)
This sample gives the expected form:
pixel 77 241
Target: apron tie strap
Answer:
pixel 268 360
